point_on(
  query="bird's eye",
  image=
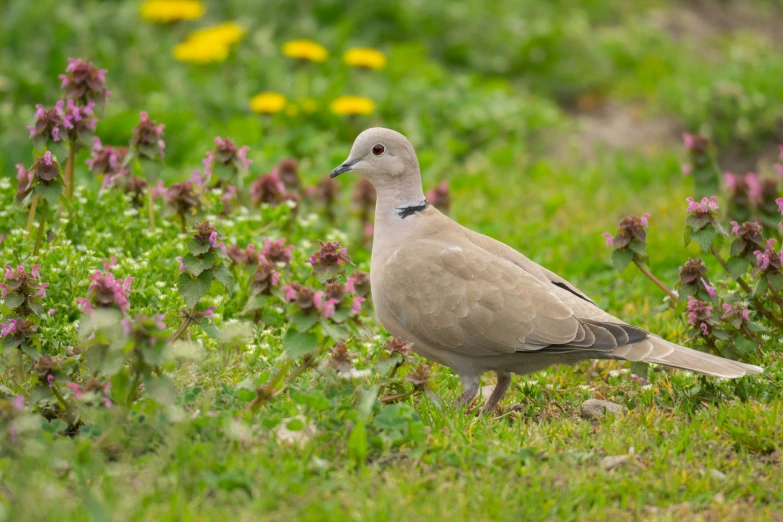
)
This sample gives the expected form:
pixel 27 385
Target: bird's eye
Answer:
pixel 378 149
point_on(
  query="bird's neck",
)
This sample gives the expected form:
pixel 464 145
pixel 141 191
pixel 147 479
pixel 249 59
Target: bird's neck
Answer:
pixel 397 199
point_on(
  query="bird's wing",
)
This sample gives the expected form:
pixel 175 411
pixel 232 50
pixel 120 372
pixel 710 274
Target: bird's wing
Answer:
pixel 462 297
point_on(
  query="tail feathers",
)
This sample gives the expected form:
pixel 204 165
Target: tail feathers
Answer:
pixel 659 351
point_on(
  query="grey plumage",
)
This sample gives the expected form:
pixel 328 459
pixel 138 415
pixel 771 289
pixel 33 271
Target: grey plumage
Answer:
pixel 474 304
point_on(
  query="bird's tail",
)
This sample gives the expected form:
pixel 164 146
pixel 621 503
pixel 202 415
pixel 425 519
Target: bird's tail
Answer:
pixel 660 351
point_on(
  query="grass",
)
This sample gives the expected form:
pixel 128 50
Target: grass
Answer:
pixel 495 112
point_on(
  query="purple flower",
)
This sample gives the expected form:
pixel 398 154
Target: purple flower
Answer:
pixel 268 188
pixel 331 254
pixel 49 124
pixel 147 138
pixel 106 291
pixel 695 142
pixel 290 293
pixel 609 238
pixel 735 226
pixel 26 285
pixel 705 207
pixel 356 306
pixel 644 218
pixel 8 328
pixel 710 289
pixel 704 329
pixel 208 314
pixel 83 82
pixel 227 154
pixel 213 239
pixel 276 251
pixel 106 159
pixel 267 276
pixel 439 197
pixel 762 260
pixel 698 310
pixel 19 402
pixel 181 264
pixel 779 201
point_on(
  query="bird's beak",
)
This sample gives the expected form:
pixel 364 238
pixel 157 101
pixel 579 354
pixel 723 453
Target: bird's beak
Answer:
pixel 344 167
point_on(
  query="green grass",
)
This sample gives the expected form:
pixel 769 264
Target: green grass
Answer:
pixel 488 93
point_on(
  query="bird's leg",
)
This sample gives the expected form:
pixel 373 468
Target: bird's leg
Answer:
pixel 504 381
pixel 471 385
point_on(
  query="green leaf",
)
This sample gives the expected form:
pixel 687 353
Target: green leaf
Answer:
pixel 231 480
pixel 151 169
pixel 638 248
pixel 337 332
pixel 197 248
pixel 13 300
pixel 621 258
pixel 210 329
pixel 50 192
pixel 760 287
pixel 196 265
pixel 737 266
pixel 297 344
pixel 686 236
pixel 775 280
pixel 11 341
pixel 302 321
pixel 640 368
pixel 737 246
pixel 194 288
pixel 160 389
pixel 384 366
pixel 223 276
pixel 704 237
pixel 745 346
pixel 357 444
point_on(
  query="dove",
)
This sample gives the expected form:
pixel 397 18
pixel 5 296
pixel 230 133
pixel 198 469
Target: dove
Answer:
pixel 476 305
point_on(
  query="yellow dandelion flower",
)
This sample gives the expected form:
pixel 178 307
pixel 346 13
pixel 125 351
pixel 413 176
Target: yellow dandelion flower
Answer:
pixel 268 102
pixel 166 11
pixel 227 33
pixel 200 51
pixel 305 50
pixel 352 106
pixel 365 57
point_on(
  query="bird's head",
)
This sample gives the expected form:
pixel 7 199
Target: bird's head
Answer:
pixel 381 155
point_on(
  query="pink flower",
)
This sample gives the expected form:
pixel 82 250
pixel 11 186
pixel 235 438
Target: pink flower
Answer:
pixel 762 260
pixel 34 271
pixel 50 380
pixel 181 264
pixel 277 251
pixel 688 140
pixel 735 226
pixel 349 285
pixel 19 402
pixel 84 304
pixel 52 311
pixel 706 206
pixel 47 158
pixel 754 185
pixel 710 290
pixel 704 329
pixel 84 82
pixel 609 238
pixel 779 169
pixel 356 306
pixel 290 293
pixel 76 390
pixel 686 169
pixel 108 264
pixel 779 201
pixel 105 291
pixel 644 219
pixel 8 329
pixel 327 310
pixel 213 239
pixel 730 179
pixel 693 318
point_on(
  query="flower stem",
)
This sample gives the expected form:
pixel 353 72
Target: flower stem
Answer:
pixel 185 324
pixel 134 388
pixel 267 391
pixel 151 208
pixel 66 406
pixel 41 227
pixel 398 396
pixel 69 166
pixel 31 216
pixel 658 283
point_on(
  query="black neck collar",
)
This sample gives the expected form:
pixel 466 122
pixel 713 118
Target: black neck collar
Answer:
pixel 409 210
